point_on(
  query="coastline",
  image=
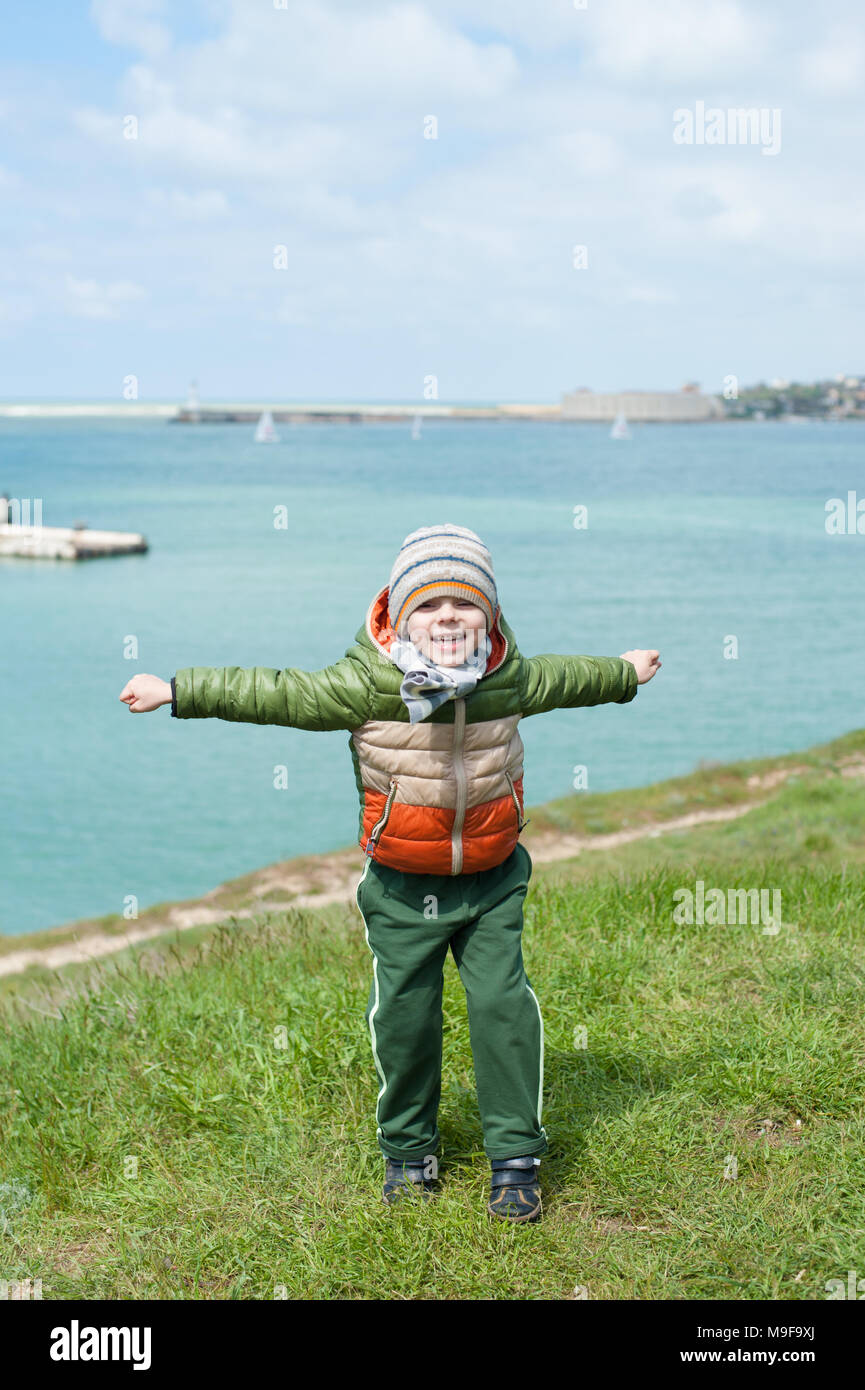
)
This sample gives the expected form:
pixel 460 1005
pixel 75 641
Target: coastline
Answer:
pixel 302 413
pixel 562 830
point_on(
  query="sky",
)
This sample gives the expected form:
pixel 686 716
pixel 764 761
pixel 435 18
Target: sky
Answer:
pixel 344 200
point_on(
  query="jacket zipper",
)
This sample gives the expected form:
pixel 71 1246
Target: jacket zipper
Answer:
pixel 462 786
pixel 378 829
pixel 520 822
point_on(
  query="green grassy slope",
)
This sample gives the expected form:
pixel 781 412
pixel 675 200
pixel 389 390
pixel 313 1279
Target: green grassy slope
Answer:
pixel 194 1119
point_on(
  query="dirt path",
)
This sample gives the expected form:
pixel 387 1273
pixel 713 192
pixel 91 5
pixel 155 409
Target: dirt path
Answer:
pixel 319 881
pixel 342 882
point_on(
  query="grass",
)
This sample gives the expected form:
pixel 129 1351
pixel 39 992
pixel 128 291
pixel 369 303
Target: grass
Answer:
pixel 193 1119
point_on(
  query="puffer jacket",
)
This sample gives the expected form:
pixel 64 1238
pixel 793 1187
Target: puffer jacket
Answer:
pixel 445 795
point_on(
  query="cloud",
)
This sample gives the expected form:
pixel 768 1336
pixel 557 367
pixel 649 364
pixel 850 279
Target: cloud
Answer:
pixel 837 66
pixel 627 39
pixel 315 59
pixel 311 94
pixel 90 300
pixel 675 38
pixel 132 24
pixel 304 127
pixel 696 204
pixel 227 142
pixel 647 294
pixel 203 206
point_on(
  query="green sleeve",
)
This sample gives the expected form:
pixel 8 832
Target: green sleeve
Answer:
pixel 336 697
pixel 565 682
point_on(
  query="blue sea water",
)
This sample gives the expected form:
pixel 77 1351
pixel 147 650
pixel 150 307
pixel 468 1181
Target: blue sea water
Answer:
pixel 695 534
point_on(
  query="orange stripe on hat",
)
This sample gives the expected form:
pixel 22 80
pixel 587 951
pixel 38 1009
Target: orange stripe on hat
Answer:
pixel 447 585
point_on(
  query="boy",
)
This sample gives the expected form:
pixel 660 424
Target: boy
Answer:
pixel 432 692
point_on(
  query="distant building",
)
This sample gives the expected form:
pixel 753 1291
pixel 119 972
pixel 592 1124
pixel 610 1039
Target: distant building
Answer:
pixel 687 404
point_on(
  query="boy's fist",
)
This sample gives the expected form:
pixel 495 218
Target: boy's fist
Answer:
pixel 144 693
pixel 647 664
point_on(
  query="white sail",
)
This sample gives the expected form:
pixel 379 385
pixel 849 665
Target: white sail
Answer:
pixel 620 428
pixel 415 427
pixel 264 431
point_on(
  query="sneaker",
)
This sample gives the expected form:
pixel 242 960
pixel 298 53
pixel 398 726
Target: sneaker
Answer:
pixel 516 1192
pixel 405 1179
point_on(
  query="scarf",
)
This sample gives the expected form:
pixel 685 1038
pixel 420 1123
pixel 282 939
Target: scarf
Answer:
pixel 425 685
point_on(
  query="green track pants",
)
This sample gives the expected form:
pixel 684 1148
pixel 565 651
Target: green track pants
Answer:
pixel 410 921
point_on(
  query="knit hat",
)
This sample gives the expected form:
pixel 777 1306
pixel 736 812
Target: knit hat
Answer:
pixel 436 562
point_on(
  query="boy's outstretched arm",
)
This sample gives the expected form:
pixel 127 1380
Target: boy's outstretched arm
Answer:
pixel 565 682
pixel 336 697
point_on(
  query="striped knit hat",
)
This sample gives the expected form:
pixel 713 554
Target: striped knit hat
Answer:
pixel 437 561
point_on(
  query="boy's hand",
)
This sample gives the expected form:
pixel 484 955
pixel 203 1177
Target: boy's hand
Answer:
pixel 646 663
pixel 144 693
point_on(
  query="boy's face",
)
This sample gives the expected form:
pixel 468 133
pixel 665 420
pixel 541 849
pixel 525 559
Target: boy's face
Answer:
pixel 447 630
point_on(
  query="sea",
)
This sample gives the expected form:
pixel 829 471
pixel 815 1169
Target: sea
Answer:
pixel 707 542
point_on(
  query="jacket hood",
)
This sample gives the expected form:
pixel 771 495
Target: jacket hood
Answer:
pixel 378 631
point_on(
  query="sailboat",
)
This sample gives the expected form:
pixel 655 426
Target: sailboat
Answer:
pixel 415 427
pixel 264 431
pixel 620 427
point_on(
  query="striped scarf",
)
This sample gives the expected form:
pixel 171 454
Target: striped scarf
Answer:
pixel 425 685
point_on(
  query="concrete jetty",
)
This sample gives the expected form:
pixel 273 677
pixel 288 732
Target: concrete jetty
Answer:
pixel 356 414
pixel 689 405
pixel 63 542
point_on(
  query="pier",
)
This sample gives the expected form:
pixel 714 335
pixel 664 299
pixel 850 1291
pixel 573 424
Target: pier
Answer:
pixel 357 414
pixel 688 405
pixel 63 542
